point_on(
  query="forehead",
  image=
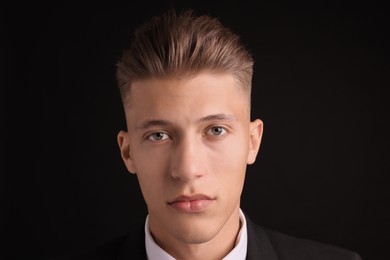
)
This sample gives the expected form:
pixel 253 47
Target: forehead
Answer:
pixel 200 95
pixel 198 83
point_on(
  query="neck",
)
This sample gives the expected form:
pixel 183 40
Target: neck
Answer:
pixel 215 246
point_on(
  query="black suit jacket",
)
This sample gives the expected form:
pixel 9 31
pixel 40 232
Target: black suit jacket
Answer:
pixel 263 244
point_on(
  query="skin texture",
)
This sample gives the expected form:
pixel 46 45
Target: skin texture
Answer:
pixel 191 137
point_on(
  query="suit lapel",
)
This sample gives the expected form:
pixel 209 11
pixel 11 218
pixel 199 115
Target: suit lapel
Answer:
pixel 259 246
pixel 134 246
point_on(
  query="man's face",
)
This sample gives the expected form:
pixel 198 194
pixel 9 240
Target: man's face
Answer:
pixel 189 142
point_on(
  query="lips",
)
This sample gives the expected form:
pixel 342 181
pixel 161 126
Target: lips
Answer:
pixel 191 204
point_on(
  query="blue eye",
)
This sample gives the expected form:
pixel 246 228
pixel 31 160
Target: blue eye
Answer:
pixel 217 130
pixel 158 136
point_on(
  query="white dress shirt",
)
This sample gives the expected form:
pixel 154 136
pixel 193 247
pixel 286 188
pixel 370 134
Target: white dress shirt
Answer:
pixel 154 252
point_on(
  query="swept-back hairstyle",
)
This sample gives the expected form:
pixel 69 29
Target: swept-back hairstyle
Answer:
pixel 182 45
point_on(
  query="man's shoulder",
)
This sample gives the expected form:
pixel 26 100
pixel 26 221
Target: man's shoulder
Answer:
pixel 121 247
pixel 107 250
pixel 263 243
pixel 289 247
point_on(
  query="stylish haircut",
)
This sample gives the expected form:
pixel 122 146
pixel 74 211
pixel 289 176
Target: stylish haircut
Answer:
pixel 183 45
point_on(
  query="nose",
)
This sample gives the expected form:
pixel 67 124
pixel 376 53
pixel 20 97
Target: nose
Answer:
pixel 187 163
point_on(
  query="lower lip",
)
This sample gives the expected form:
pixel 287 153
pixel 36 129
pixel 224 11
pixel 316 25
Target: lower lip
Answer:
pixel 192 206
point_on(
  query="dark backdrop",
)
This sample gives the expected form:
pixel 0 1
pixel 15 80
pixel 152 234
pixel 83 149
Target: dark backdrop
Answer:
pixel 320 86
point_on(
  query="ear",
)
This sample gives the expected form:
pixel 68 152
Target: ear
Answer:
pixel 256 132
pixel 124 146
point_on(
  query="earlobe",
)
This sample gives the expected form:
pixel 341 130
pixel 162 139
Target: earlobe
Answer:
pixel 124 146
pixel 256 132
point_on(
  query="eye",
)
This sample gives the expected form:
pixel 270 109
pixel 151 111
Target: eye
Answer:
pixel 158 136
pixel 216 131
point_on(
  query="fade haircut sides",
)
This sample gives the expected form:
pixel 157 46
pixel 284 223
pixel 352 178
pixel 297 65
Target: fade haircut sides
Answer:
pixel 175 46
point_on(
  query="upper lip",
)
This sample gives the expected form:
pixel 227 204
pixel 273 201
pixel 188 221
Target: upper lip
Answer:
pixel 183 198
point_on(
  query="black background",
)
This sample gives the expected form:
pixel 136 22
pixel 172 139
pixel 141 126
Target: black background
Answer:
pixel 320 86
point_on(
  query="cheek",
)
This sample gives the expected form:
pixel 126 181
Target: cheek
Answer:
pixel 230 159
pixel 149 161
pixel 152 189
pixel 234 151
pixel 151 169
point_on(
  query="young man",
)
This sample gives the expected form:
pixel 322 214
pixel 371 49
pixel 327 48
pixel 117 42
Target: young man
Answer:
pixel 185 83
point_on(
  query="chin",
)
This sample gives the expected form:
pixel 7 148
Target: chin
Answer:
pixel 195 237
pixel 194 231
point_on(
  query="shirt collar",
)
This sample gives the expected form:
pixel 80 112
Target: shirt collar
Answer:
pixel 154 252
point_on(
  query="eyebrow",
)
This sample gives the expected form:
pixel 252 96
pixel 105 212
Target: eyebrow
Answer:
pixel 217 117
pixel 154 122
pixel 159 122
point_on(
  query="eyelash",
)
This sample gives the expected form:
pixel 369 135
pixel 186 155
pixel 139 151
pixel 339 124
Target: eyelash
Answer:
pixel 223 129
pixel 165 136
pixel 150 136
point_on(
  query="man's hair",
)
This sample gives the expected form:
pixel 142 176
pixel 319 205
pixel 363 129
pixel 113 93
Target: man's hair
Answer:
pixel 184 45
